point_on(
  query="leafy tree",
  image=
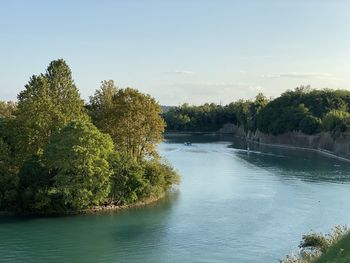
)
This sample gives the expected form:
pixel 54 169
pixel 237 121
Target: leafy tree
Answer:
pixel 336 120
pixel 47 104
pixel 131 118
pixel 160 175
pixel 8 179
pixel 35 183
pixel 7 109
pixel 77 158
pixel 127 181
pixel 310 125
pixel 133 181
pixel 302 109
pixel 253 110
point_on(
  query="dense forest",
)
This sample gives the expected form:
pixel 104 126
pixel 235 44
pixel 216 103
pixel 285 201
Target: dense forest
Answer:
pixel 303 109
pixel 59 155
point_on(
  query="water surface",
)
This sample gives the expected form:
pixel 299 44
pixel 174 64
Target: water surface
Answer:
pixel 232 206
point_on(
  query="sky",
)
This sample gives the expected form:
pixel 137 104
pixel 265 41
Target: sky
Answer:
pixel 179 51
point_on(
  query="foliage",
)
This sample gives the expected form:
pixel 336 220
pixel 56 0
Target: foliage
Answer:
pixel 53 159
pixel 315 246
pixel 35 182
pixel 131 118
pixel 160 176
pixel 127 181
pixel 303 109
pixel 212 117
pixel 47 104
pixel 78 159
pixel 310 124
pixel 336 120
pixel 294 109
pixel 8 179
pixel 133 181
pixel 7 109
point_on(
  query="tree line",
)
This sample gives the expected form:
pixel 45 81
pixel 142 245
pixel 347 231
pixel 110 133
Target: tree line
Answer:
pixel 58 154
pixel 303 109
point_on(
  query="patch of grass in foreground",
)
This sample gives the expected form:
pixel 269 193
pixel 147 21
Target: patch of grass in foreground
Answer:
pixel 337 253
pixel 319 248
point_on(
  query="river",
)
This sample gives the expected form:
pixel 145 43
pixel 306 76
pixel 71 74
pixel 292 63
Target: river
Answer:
pixel 232 205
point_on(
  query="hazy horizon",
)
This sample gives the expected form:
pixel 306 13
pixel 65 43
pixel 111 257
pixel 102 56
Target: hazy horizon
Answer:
pixel 179 51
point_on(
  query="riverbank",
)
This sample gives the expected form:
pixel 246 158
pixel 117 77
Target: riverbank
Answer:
pixel 321 151
pixel 322 143
pixel 337 253
pixel 333 146
pixel 108 208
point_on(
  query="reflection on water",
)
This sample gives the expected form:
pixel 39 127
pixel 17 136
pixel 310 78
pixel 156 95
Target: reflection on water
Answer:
pixel 302 164
pixel 231 206
pixel 286 163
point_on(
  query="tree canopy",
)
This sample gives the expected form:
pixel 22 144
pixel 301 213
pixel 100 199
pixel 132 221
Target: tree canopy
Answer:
pixel 78 160
pixel 47 104
pixel 131 118
pixel 53 159
pixel 303 109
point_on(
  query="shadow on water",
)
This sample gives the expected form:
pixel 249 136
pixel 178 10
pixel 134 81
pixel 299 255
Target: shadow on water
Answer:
pixel 117 234
pixel 197 138
pixel 159 206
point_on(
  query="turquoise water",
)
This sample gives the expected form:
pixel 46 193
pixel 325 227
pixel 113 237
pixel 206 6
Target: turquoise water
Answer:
pixel 232 206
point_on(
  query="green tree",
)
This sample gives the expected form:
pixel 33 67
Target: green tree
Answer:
pixel 336 120
pixel 78 159
pixel 310 125
pixel 47 104
pixel 35 183
pixel 7 109
pixel 8 179
pixel 160 175
pixel 127 180
pixel 131 118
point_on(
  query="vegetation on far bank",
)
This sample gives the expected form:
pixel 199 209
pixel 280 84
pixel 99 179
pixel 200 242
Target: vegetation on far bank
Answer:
pixel 303 109
pixel 58 155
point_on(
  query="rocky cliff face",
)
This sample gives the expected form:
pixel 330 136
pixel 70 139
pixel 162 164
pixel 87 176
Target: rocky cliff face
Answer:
pixel 230 128
pixel 338 144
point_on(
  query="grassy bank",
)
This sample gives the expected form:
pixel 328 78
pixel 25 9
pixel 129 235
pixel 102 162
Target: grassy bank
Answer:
pixel 337 253
pixel 318 248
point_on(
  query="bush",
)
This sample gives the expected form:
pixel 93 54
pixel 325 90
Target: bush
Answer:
pixel 336 120
pixel 160 175
pixel 132 181
pixel 127 182
pixel 314 245
pixel 310 125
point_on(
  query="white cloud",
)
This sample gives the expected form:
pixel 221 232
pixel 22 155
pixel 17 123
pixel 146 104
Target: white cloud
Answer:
pixel 302 75
pixel 209 84
pixel 180 72
pixel 206 91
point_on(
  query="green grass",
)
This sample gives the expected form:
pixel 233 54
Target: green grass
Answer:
pixel 337 253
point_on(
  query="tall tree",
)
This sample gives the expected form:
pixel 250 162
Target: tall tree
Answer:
pixel 47 104
pixel 131 118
